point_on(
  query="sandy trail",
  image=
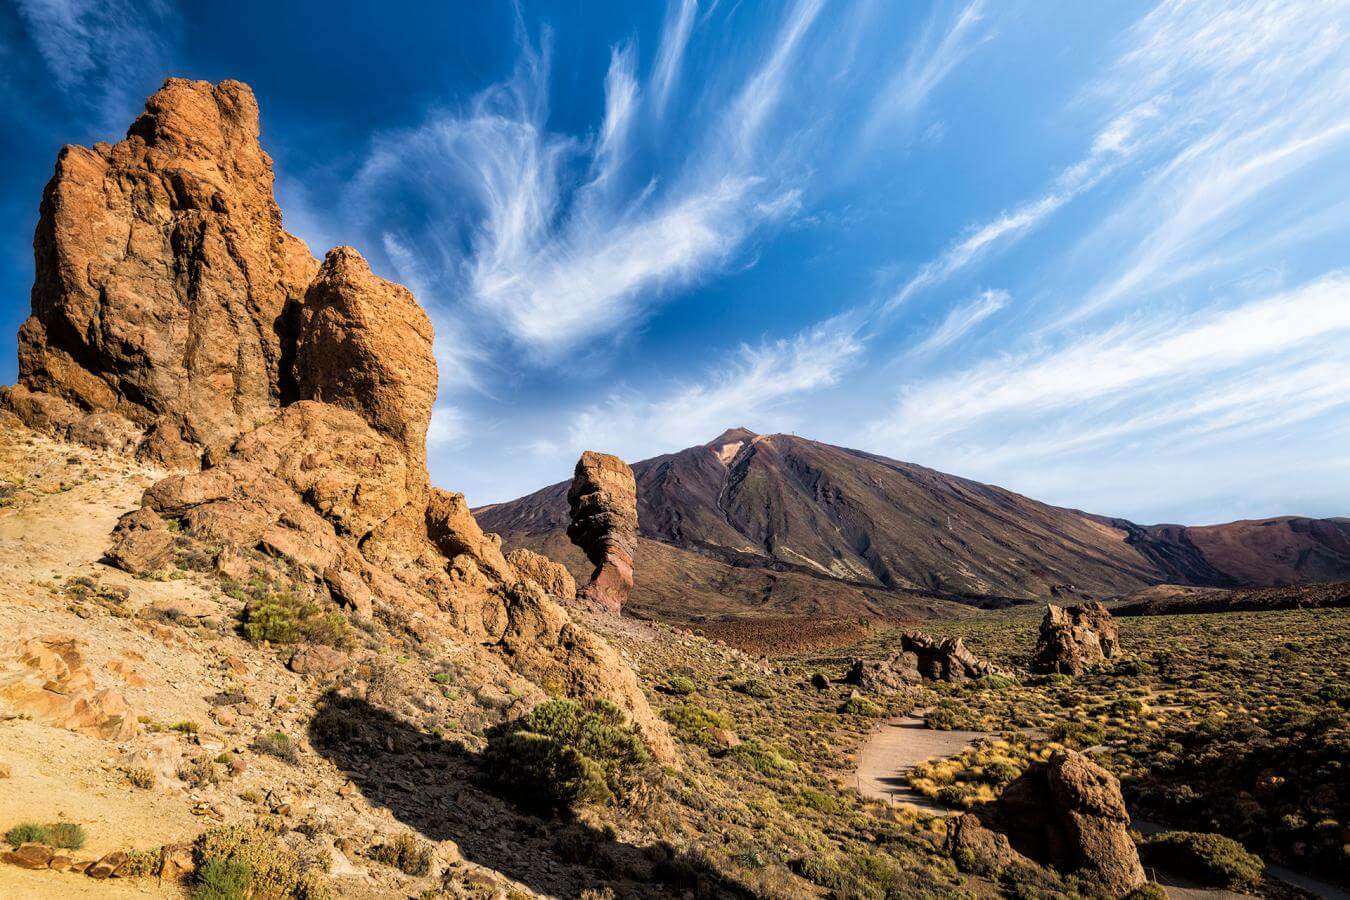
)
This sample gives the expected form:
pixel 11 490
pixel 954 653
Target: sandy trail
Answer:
pixel 897 747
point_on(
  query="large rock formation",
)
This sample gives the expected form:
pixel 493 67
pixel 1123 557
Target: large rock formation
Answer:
pixel 920 657
pixel 1074 638
pixel 172 314
pixel 163 278
pixel 603 500
pixel 1067 813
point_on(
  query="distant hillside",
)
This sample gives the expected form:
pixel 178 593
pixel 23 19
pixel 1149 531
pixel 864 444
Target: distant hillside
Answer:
pixel 773 524
pixel 1167 599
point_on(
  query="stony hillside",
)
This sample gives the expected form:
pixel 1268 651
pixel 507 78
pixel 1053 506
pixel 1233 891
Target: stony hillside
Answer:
pixel 860 532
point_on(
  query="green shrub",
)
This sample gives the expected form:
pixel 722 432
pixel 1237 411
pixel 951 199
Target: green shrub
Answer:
pixel 820 801
pixel 27 832
pixel 222 879
pixel 1150 891
pixel 858 705
pixel 277 744
pixel 566 754
pixel 681 686
pixel 232 854
pixel 752 687
pixel 66 835
pixel 762 758
pixel 405 853
pixel 1211 859
pixel 693 723
pixel 997 682
pixel 284 618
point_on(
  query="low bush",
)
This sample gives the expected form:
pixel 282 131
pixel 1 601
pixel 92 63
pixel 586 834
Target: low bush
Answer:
pixel 765 759
pixel 1211 859
pixel 277 744
pixel 693 723
pixel 405 853
pixel 66 835
pixel 27 832
pixel 242 861
pixel 858 705
pixel 681 686
pixel 222 879
pixel 284 618
pixel 752 687
pixel 566 754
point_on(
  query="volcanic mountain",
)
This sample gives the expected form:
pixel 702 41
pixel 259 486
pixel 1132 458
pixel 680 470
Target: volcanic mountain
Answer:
pixel 781 525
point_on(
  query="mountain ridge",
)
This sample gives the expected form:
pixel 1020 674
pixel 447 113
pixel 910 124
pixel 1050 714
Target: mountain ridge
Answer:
pixel 784 503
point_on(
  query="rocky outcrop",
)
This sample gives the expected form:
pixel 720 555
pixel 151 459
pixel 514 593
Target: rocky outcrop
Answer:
pixel 365 345
pixel 552 576
pixel 47 679
pixel 1068 813
pixel 1074 638
pixel 603 502
pixel 920 658
pixel 142 543
pixel 172 315
pixel 163 279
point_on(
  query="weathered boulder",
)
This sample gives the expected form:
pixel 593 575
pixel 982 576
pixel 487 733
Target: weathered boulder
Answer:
pixel 365 345
pixel 163 275
pixel 1067 813
pixel 47 678
pixel 29 856
pixel 552 576
pixel 455 532
pixel 317 660
pixel 603 502
pixel 1075 637
pixel 920 658
pixel 142 543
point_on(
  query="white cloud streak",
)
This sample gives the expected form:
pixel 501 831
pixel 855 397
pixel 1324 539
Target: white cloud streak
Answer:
pixel 961 320
pixel 100 52
pixel 675 33
pixel 930 61
pixel 554 268
pixel 1184 372
pixel 756 382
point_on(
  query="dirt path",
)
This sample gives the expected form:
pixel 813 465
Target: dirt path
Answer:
pixel 898 746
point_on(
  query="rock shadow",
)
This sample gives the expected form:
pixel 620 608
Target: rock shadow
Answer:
pixel 436 787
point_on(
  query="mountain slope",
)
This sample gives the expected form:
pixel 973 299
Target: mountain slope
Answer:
pixel 876 529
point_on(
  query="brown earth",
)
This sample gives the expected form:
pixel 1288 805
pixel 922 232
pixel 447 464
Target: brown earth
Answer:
pixel 1174 599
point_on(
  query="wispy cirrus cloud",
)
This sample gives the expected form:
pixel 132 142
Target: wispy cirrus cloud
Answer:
pixel 101 52
pixel 1251 96
pixel 756 381
pixel 939 50
pixel 554 267
pixel 1123 381
pixel 1110 147
pixel 960 321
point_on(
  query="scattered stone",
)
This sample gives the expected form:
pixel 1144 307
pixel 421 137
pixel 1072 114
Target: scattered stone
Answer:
pixel 142 543
pixel 603 501
pixel 1074 638
pixel 176 862
pixel 60 863
pixel 47 679
pixel 108 865
pixel 317 660
pixel 29 856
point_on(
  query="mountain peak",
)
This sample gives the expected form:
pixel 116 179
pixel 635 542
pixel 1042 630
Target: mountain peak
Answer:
pixel 732 435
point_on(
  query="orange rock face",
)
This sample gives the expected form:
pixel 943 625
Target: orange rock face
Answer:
pixel 172 315
pixel 603 500
pixel 163 275
pixel 47 678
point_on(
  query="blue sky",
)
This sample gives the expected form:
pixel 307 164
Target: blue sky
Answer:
pixel 1096 253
